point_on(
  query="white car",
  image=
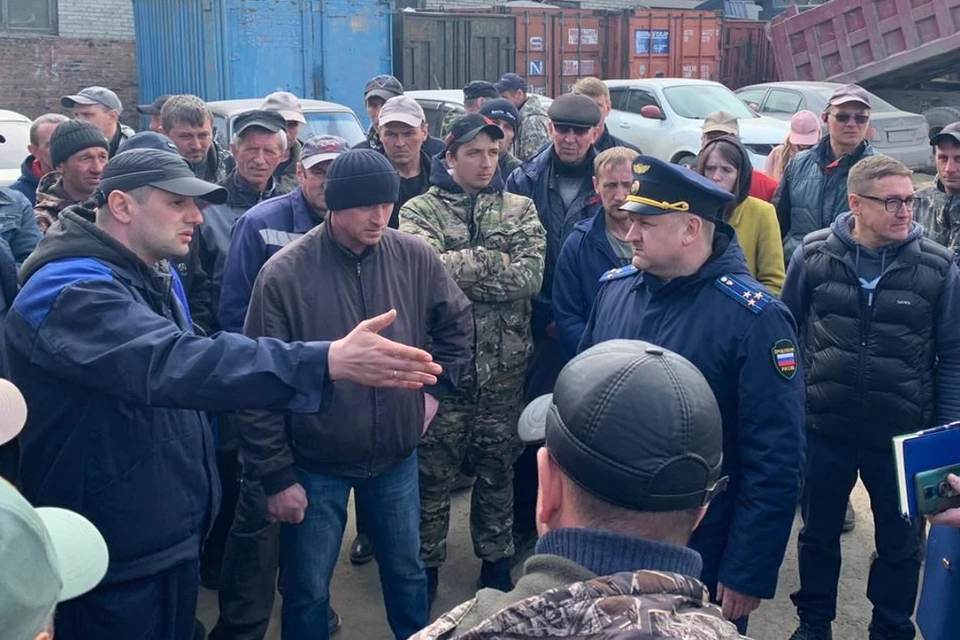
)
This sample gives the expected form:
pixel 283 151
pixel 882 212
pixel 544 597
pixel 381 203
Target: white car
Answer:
pixel 15 129
pixel 663 116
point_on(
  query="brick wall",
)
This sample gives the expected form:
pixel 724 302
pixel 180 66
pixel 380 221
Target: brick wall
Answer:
pixel 94 47
pixel 98 19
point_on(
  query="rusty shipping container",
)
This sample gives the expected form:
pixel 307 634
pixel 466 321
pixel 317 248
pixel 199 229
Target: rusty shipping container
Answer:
pixel 555 47
pixel 667 43
pixel 447 50
pixel 746 54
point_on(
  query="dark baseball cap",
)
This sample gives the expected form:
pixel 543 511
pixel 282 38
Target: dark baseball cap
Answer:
pixel 469 126
pixel 511 82
pixel 155 168
pixel 93 95
pixel 501 109
pixel 320 148
pixel 574 110
pixel 950 132
pixel 153 109
pixel 270 120
pixel 849 93
pixel 148 140
pixel 480 89
pixel 383 86
pixel 635 425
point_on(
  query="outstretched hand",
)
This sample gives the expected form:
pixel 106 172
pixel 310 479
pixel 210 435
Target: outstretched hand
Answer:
pixel 365 357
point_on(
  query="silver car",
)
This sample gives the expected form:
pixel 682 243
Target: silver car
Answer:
pixel 323 118
pixel 895 133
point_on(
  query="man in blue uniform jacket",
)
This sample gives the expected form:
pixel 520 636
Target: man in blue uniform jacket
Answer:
pixel 690 291
pixel 99 340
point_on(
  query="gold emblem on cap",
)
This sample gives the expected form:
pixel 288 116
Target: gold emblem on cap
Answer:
pixel 635 187
pixel 641 168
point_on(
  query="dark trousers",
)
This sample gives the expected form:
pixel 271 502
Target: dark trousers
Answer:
pixel 211 562
pixel 545 364
pixel 248 575
pixel 832 468
pixel 158 607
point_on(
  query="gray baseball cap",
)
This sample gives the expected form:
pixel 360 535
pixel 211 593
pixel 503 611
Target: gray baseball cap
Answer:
pixel 634 424
pixel 950 132
pixel 849 93
pixel 383 86
pixel 320 148
pixel 286 104
pixel 93 95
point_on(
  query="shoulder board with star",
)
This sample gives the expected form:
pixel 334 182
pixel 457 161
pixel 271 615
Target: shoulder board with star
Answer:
pixel 620 272
pixel 749 295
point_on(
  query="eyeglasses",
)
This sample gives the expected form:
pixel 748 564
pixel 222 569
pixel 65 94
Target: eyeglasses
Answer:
pixel 845 118
pixel 564 129
pixel 892 205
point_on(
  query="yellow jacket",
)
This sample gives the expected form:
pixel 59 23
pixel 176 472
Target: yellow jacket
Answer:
pixel 758 231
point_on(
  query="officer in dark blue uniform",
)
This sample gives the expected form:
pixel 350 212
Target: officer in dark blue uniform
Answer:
pixel 689 290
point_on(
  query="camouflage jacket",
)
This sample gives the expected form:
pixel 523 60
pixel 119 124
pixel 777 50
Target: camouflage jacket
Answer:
pixel 470 232
pixel 215 166
pixel 642 605
pixel 52 198
pixel 939 214
pixel 452 114
pixel 533 134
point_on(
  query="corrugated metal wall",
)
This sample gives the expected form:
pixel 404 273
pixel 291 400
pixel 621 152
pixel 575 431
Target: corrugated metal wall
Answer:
pixel 226 49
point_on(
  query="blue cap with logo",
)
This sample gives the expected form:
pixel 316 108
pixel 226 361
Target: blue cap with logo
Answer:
pixel 660 188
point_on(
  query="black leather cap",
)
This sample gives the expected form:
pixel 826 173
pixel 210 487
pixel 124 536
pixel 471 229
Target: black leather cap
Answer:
pixel 637 426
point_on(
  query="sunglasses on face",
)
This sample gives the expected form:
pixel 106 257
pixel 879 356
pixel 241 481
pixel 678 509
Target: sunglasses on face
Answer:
pixel 564 129
pixel 892 205
pixel 844 118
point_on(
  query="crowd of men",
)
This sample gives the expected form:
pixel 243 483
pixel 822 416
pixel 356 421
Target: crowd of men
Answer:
pixel 216 346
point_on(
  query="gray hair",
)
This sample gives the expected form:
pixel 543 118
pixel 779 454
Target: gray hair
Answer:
pixel 47 118
pixel 281 136
pixel 186 108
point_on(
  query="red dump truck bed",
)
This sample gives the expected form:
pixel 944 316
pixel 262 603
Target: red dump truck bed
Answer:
pixel 876 43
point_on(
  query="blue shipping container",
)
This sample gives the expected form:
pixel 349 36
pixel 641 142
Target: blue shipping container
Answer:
pixel 229 49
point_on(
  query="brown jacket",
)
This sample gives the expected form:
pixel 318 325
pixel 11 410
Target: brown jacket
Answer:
pixel 641 605
pixel 316 289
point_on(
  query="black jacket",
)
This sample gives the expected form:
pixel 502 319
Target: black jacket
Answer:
pixel 878 334
pixel 317 289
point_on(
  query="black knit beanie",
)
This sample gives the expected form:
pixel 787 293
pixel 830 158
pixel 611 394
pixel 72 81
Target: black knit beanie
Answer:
pixel 359 178
pixel 72 136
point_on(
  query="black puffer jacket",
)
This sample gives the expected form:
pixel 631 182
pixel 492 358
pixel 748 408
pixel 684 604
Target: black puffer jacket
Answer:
pixel 870 334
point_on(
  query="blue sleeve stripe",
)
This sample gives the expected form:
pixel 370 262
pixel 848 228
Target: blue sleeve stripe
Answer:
pixel 181 295
pixel 36 298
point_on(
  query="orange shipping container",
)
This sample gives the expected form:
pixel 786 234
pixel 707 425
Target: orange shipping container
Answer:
pixel 668 43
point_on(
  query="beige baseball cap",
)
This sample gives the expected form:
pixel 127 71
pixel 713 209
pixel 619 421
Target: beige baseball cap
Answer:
pixel 721 121
pixel 402 109
pixel 286 104
pixel 13 411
